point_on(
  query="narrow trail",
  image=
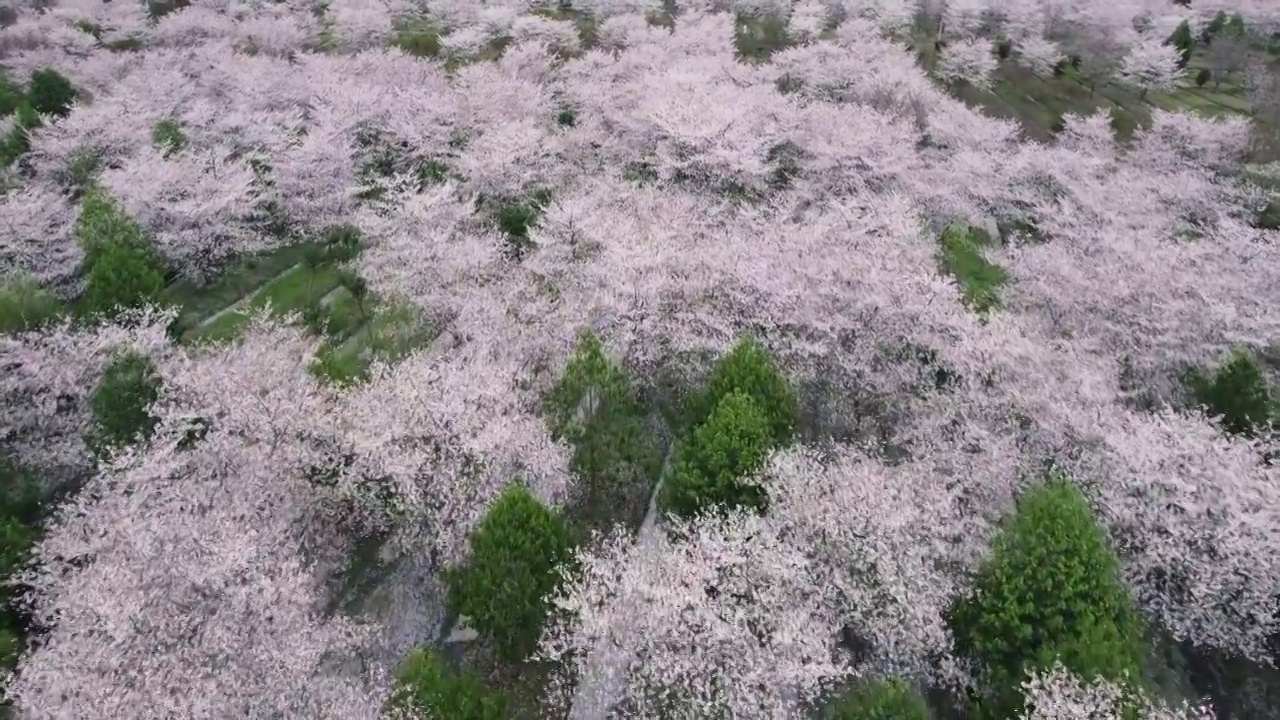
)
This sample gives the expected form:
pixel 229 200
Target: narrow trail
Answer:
pixel 603 679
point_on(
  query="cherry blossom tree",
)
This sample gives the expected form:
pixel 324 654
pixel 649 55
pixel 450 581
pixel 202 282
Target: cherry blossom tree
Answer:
pixel 756 639
pixel 1152 65
pixel 1055 694
pixel 971 60
pixel 210 533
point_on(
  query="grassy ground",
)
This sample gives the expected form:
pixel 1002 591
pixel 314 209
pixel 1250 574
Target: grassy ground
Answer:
pixel 1038 103
pixel 355 332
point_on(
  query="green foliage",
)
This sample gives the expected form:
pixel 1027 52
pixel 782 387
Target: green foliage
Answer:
pixel 961 257
pixel 1184 41
pixel 17 141
pixel 123 269
pixel 504 587
pixel 19 492
pixel 1238 392
pixel 427 689
pixel 748 368
pixel 1235 26
pixel 101 223
pixel 11 96
pixel 167 136
pixel 83 167
pixel 1269 217
pixel 431 172
pixel 514 217
pixel 122 400
pixel 1203 77
pixel 595 408
pixel 25 305
pixel 157 9
pixel 757 36
pixel 50 93
pixel 418 37
pixel 877 699
pixel 1050 590
pixel 10 648
pixel 124 276
pixel 1214 27
pixel 712 468
pixel 566 117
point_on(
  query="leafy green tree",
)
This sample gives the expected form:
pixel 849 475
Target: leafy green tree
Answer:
pixel 712 467
pixel 504 588
pixel 427 688
pixel 595 408
pixel 877 699
pixel 1184 41
pixel 1214 28
pixel 123 276
pixel 102 221
pixel 1238 392
pixel 1051 590
pixel 51 93
pixel 1235 26
pixel 748 368
pixel 121 402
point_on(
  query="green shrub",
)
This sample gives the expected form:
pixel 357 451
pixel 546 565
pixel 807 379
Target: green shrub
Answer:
pixel 1184 41
pixel 84 166
pixel 712 467
pixel 427 689
pixel 25 305
pixel 157 9
pixel 20 492
pixel 10 648
pixel 503 589
pixel 11 96
pixel 595 408
pixel 515 217
pixel 877 699
pixel 102 222
pixel 566 117
pixel 1051 589
pixel 50 93
pixel 431 172
pixel 122 400
pixel 167 136
pixel 961 257
pixel 17 142
pixel 1214 27
pixel 1269 217
pixel 1202 77
pixel 748 368
pixel 1238 392
pixel 123 276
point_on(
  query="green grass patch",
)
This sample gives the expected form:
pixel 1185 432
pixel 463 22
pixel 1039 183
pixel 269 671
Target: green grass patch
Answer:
pixel 295 290
pixel 757 37
pixel 394 330
pixel 238 280
pixel 418 37
pixel 961 256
